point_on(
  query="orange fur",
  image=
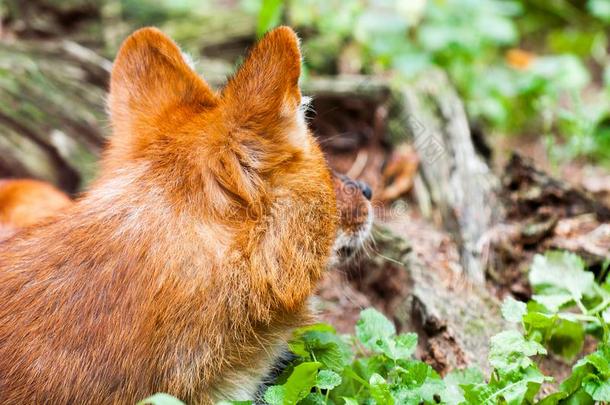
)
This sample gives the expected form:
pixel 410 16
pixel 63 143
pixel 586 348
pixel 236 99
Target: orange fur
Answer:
pixel 25 202
pixel 187 263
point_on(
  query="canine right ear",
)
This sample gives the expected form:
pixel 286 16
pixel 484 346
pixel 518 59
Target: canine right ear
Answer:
pixel 150 77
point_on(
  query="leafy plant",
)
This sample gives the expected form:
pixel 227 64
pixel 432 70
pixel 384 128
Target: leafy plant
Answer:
pixel 477 42
pixel 376 366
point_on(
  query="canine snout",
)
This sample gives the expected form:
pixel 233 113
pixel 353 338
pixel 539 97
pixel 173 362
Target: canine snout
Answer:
pixel 356 215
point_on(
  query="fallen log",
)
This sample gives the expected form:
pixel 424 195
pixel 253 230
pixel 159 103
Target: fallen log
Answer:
pixel 51 111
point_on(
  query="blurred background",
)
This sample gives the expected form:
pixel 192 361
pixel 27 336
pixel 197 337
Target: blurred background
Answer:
pixel 532 74
pixel 483 127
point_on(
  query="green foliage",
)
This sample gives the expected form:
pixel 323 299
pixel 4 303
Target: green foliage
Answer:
pixel 567 303
pixel 269 15
pixel 470 39
pixel 376 367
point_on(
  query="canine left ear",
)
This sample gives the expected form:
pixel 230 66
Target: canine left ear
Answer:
pixel 265 89
pixel 149 78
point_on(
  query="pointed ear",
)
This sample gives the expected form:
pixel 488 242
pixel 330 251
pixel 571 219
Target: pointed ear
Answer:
pixel 150 76
pixel 266 87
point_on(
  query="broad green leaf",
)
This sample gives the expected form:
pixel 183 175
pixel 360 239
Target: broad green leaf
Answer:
pixel 580 397
pixel 350 401
pixel 414 373
pixel 161 399
pixel 565 72
pixel 510 351
pixel 320 343
pixel 579 371
pixel 378 334
pixel 373 329
pixel 566 338
pixel 477 393
pixel 405 345
pixel 538 320
pixel 598 389
pixel 275 395
pixel 380 390
pixel 513 310
pixel 558 273
pixel 524 389
pixel 601 361
pixel 300 382
pixel 327 380
pixel 553 301
pixel 553 399
pixel 453 394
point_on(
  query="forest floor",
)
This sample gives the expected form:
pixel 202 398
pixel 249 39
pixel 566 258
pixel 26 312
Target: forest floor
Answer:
pixel 345 291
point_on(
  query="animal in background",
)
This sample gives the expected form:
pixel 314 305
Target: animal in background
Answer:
pixel 186 265
pixel 24 202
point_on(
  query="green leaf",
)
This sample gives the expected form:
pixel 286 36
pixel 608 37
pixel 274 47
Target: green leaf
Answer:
pixel 600 9
pixel 300 382
pixel 580 397
pixel 566 338
pixel 538 320
pixel 553 301
pixel 414 382
pixel 275 395
pixel 313 398
pixel 404 346
pixel 557 275
pixel 601 361
pixel 321 343
pixel 380 390
pixel 350 401
pixel 598 389
pixel 453 393
pixel 510 351
pixel 524 389
pixel 269 16
pixel 552 399
pixel 373 329
pixel 477 393
pixel 161 399
pixel 378 334
pixel 565 72
pixel 327 380
pixel 513 310
pixel 579 371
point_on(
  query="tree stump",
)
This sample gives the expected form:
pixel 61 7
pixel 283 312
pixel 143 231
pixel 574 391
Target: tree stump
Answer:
pixel 454 178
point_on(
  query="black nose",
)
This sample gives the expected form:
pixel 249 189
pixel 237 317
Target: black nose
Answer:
pixel 366 190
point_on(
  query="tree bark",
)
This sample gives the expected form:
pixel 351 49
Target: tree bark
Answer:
pixel 454 178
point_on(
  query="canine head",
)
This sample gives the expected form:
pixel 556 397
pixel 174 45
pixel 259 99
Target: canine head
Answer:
pixel 239 158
